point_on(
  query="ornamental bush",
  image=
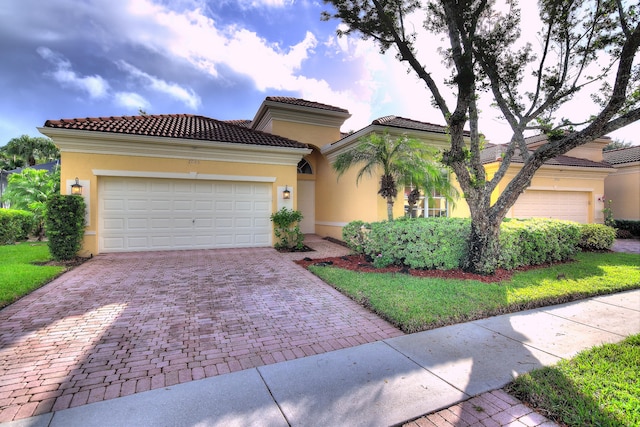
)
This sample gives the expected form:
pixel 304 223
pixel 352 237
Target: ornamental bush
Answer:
pixel 64 221
pixel 287 229
pixel 427 243
pixel 442 243
pixel 537 241
pixel 15 225
pixel 596 237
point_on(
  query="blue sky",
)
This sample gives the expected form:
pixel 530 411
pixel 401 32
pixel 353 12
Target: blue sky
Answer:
pixel 221 58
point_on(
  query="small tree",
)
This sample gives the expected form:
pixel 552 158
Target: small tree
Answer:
pixel 398 160
pixel 30 190
pixel 65 225
pixel 287 229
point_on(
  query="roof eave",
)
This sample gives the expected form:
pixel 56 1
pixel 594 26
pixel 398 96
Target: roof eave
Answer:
pixel 111 143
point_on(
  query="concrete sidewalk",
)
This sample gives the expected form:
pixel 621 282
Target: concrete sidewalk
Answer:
pixel 378 384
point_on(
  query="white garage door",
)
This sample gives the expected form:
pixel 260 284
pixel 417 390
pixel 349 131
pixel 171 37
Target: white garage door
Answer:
pixel 141 214
pixel 567 205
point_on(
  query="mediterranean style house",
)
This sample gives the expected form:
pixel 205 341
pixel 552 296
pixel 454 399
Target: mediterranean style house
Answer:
pixel 161 182
pixel 622 187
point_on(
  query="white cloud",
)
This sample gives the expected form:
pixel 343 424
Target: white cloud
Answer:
pixel 208 46
pixel 95 86
pixel 131 101
pixel 186 96
pixel 249 4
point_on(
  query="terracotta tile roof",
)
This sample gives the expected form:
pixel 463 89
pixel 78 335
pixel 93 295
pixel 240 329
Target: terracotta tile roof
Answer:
pixel 240 122
pixel 494 153
pixel 401 122
pixel 305 103
pixel 622 155
pixel 184 126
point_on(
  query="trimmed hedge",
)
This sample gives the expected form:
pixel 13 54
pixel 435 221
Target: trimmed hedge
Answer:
pixel 15 225
pixel 65 225
pixel 537 241
pixel 442 243
pixel 596 237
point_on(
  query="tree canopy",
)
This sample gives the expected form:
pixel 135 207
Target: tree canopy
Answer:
pixel 580 46
pixel 26 150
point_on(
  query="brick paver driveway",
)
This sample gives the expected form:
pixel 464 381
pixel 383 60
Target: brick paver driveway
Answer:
pixel 125 323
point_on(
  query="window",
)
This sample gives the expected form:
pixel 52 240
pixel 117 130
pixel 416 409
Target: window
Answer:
pixel 304 167
pixel 433 206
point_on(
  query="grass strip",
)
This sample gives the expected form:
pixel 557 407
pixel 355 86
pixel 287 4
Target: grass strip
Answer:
pixel 415 304
pixel 598 387
pixel 18 273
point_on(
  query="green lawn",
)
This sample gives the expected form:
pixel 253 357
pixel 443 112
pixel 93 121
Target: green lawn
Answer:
pixel 18 274
pixel 598 387
pixel 415 304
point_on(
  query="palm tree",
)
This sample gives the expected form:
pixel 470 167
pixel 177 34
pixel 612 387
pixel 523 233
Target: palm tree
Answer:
pixel 32 150
pixel 399 161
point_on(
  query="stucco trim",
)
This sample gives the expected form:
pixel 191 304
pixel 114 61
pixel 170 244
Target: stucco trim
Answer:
pixel 89 142
pixel 273 110
pixel 178 175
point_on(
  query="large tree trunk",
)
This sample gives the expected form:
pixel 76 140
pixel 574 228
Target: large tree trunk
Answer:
pixel 484 245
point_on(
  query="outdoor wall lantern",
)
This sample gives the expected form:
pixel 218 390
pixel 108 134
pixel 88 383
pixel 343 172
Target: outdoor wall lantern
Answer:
pixel 286 194
pixel 76 189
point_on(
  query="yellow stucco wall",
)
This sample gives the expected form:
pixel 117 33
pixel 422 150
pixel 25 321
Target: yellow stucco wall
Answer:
pixel 623 189
pixel 315 135
pixel 548 178
pixel 82 165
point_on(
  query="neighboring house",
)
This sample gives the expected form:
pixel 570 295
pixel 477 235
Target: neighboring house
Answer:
pixel 568 187
pixel 159 182
pixel 623 186
pixel 4 175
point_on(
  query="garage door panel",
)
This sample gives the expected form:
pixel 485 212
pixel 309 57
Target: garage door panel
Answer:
pixel 137 205
pixel 565 205
pixel 224 188
pixel 160 214
pixel 113 205
pixel 183 205
pixel 137 224
pixel 114 224
pixel 223 205
pixel 243 223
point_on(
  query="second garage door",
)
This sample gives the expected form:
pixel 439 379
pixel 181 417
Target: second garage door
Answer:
pixel 567 205
pixel 141 214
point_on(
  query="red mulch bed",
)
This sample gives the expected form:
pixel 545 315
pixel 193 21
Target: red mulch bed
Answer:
pixel 359 263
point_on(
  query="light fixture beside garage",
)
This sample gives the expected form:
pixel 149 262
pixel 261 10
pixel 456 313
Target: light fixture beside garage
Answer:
pixel 286 194
pixel 76 189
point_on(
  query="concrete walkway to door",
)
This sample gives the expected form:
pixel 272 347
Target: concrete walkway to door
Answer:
pixel 127 323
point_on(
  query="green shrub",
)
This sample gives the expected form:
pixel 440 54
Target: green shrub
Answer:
pixel 287 229
pixel 355 235
pixel 596 237
pixel 427 243
pixel 27 223
pixel 633 227
pixel 65 225
pixel 537 241
pixel 15 225
pixel 442 243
